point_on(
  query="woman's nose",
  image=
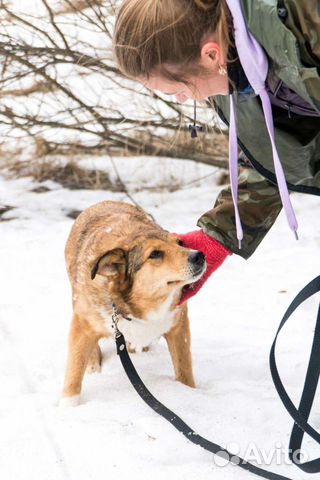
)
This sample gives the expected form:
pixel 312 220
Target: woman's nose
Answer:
pixel 181 97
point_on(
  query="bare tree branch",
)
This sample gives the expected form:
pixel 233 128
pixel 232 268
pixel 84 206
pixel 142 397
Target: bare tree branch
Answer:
pixel 59 84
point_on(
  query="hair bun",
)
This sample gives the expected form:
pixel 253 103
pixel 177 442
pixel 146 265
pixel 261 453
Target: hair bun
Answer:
pixel 206 4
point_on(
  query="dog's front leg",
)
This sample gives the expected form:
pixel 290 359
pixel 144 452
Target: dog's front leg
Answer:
pixel 179 344
pixel 82 341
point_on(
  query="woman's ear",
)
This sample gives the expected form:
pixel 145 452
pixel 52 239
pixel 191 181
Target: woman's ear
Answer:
pixel 211 55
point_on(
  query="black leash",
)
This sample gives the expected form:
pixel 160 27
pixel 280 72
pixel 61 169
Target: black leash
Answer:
pixel 300 415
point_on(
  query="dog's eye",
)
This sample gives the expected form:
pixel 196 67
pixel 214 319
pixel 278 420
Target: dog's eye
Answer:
pixel 180 242
pixel 156 254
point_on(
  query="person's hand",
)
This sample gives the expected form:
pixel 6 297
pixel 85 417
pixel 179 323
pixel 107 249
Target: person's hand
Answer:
pixel 214 252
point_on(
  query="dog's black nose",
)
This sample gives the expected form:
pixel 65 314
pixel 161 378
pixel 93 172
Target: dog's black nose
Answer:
pixel 197 258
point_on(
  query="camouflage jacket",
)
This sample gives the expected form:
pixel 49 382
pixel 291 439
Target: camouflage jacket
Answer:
pixel 290 36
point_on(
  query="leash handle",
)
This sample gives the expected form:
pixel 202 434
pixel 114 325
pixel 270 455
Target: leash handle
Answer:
pixel 301 415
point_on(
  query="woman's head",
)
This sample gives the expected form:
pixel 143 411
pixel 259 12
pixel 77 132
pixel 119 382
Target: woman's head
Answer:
pixel 175 46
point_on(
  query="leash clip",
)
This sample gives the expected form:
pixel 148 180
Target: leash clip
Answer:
pixel 115 319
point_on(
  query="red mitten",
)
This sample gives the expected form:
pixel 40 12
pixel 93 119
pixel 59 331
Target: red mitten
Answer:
pixel 214 252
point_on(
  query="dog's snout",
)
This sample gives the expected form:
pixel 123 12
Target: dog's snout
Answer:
pixel 197 259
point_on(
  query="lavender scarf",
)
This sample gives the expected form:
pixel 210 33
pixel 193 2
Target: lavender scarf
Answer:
pixel 255 64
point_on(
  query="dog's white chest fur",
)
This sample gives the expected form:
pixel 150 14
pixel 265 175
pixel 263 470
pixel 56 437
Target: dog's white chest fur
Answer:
pixel 141 333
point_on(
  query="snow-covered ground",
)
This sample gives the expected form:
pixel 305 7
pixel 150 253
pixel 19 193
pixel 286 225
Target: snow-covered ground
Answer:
pixel 113 434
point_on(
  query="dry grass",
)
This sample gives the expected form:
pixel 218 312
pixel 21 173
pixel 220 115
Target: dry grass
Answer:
pixel 207 143
pixel 69 175
pixel 208 148
pixel 46 164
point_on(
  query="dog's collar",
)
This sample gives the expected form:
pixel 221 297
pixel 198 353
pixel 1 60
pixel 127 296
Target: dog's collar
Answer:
pixel 115 319
pixel 116 311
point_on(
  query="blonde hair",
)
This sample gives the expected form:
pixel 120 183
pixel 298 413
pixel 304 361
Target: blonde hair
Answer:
pixel 164 36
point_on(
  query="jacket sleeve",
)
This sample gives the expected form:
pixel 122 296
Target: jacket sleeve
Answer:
pixel 259 205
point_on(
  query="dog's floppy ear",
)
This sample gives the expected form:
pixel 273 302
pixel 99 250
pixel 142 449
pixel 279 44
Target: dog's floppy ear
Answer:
pixel 110 264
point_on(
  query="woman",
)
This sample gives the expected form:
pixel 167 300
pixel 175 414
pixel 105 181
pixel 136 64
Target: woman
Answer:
pixel 260 61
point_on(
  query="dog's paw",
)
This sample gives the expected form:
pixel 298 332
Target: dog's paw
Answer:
pixel 66 402
pixel 134 349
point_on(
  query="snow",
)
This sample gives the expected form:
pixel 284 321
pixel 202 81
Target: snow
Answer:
pixel 112 433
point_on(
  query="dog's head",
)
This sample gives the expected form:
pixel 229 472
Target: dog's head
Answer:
pixel 149 274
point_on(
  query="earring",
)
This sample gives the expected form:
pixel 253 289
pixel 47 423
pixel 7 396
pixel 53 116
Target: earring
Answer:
pixel 222 70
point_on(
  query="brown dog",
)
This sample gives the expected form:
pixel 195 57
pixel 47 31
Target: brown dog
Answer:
pixel 116 254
